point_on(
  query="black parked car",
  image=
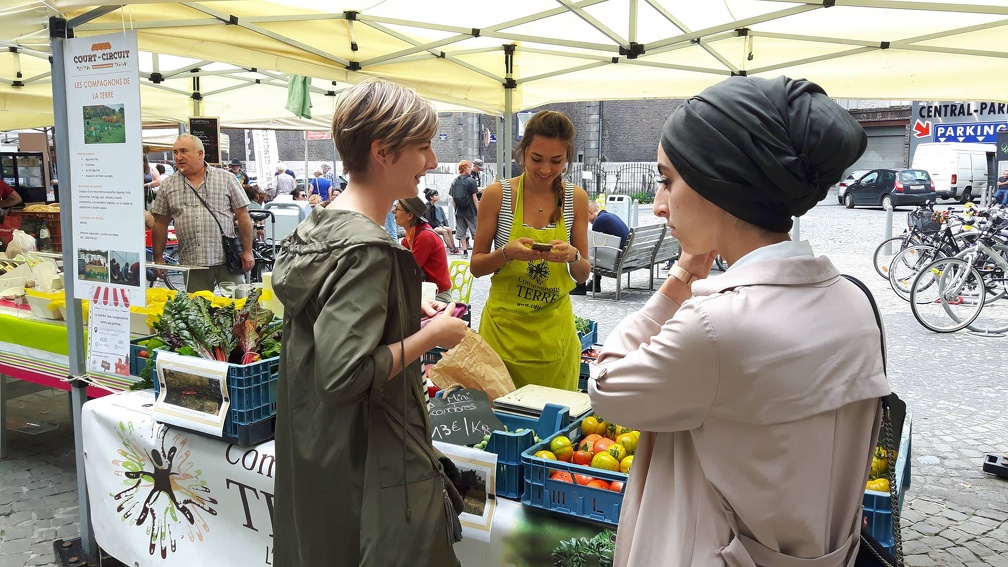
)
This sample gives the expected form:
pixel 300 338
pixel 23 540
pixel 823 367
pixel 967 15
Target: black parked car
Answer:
pixel 891 188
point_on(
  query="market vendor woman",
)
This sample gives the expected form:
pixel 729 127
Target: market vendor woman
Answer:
pixel 528 319
pixel 357 481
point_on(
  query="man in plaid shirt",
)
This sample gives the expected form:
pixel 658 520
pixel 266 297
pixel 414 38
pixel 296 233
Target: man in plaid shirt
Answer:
pixel 198 233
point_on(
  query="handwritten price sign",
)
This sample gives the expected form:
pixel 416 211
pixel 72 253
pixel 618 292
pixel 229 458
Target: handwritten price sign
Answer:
pixel 462 417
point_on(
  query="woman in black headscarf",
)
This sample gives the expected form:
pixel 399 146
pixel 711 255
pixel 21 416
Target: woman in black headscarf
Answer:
pixel 756 391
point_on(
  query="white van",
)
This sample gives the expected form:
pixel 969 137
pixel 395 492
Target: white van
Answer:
pixel 959 170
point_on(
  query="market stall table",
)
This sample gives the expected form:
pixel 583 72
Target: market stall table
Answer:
pixel 33 355
pixel 165 496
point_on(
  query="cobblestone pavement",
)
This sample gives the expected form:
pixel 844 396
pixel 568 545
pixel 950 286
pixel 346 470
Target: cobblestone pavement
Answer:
pixel 954 385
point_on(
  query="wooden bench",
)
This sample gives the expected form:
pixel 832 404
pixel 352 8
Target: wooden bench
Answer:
pixel 646 246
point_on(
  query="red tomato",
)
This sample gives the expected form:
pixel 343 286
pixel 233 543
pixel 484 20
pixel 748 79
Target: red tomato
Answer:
pixel 562 476
pixel 582 458
pixel 602 445
pixel 142 354
pixel 616 486
pixel 582 479
pixel 599 483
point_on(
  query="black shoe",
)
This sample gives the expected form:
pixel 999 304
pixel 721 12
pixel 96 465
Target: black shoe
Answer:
pixel 579 289
pixel 465 254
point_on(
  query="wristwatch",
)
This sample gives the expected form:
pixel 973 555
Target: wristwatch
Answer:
pixel 577 257
pixel 680 273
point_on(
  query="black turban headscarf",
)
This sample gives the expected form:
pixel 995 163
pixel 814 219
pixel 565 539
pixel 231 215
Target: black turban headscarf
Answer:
pixel 762 149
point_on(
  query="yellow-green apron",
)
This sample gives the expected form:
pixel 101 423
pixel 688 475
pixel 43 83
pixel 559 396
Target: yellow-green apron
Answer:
pixel 528 318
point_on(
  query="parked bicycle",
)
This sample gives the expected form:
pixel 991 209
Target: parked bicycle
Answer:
pixel 941 242
pixel 172 279
pixel 949 294
pixel 924 228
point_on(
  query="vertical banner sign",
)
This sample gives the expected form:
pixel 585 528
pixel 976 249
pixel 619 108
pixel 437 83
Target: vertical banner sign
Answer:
pixel 264 144
pixel 106 158
pixel 207 129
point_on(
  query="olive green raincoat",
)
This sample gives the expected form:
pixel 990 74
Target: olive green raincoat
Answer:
pixel 351 488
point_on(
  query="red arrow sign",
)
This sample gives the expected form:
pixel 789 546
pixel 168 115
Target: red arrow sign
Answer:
pixel 922 130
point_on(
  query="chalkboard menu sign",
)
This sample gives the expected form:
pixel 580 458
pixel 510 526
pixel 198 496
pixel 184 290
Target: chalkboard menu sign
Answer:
pixel 207 129
pixel 462 417
pixel 1002 146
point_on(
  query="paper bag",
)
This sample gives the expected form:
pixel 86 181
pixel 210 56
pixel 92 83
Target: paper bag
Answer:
pixel 473 364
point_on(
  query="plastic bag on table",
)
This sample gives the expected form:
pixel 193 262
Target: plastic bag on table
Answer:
pixel 21 243
pixel 473 364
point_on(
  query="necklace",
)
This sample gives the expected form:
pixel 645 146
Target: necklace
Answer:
pixel 541 207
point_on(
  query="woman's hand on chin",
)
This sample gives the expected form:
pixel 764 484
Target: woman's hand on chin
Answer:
pixel 697 264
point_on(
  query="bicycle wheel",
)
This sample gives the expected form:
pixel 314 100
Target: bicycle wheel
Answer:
pixel 886 251
pixel 992 273
pixel 174 280
pixel 906 265
pixel 947 295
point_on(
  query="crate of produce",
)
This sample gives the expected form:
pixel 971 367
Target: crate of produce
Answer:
pixel 509 445
pixel 138 347
pixel 252 389
pixel 590 336
pixel 547 487
pixel 878 505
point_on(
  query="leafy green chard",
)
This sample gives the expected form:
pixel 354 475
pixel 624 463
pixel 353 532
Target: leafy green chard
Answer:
pixel 585 552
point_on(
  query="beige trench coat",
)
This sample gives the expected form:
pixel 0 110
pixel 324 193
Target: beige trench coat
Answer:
pixel 758 403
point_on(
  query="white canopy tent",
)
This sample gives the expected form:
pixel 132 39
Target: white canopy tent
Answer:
pixel 468 53
pixel 500 57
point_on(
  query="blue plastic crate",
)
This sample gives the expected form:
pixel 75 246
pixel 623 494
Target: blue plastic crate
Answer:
pixel 566 498
pixel 432 356
pixel 589 338
pixel 136 363
pixel 878 505
pixel 253 392
pixel 508 445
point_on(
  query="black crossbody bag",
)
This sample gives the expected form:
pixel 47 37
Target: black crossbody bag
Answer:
pixel 232 245
pixel 871 553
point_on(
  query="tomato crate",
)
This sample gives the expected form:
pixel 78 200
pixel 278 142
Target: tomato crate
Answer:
pixel 137 363
pixel 252 389
pixel 569 498
pixel 878 505
pixel 508 445
pixel 589 338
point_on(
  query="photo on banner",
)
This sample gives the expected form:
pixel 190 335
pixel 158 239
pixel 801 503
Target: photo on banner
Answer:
pixel 104 134
pixel 478 488
pixel 192 393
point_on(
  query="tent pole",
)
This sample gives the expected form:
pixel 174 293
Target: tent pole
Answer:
pixel 509 86
pixel 58 32
pixel 502 165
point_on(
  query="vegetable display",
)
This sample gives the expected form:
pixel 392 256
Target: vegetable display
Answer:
pixel 239 332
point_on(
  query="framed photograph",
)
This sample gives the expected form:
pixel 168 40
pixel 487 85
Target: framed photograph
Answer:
pixel 192 393
pixel 479 480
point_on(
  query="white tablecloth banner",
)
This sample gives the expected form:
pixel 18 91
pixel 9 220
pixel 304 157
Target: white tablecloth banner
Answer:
pixel 164 496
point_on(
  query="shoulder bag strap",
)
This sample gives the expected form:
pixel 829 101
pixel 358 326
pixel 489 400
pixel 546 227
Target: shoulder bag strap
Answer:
pixel 888 443
pixel 207 207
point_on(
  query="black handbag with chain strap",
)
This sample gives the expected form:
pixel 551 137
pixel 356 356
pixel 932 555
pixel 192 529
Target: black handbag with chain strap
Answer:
pixel 871 553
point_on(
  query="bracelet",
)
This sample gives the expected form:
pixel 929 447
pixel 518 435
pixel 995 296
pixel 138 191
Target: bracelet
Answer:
pixel 504 253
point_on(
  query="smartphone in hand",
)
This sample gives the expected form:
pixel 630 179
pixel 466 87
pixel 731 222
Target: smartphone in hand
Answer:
pixel 460 310
pixel 542 246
